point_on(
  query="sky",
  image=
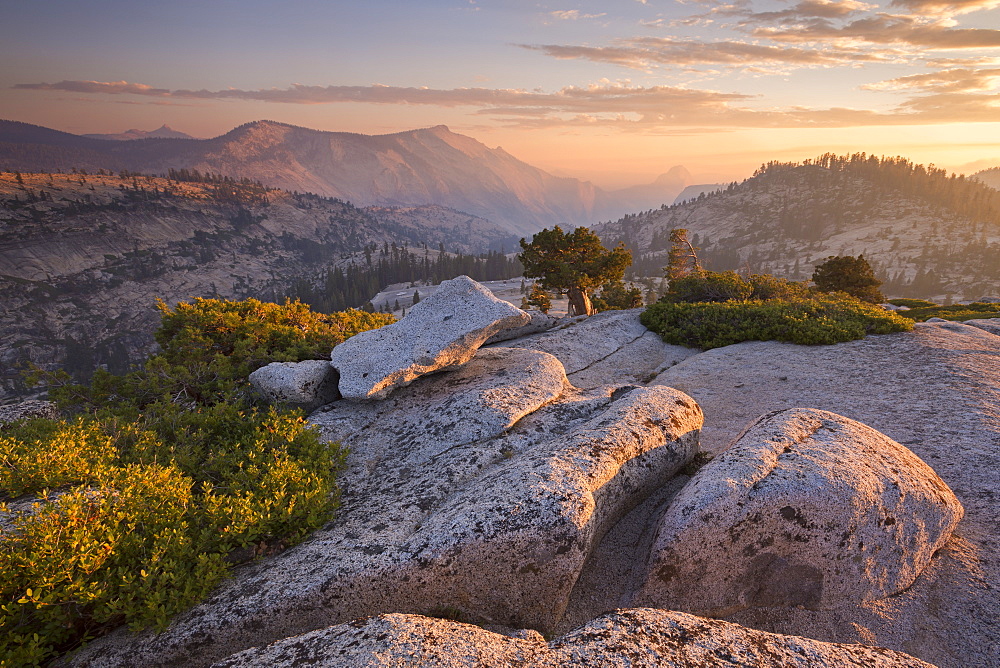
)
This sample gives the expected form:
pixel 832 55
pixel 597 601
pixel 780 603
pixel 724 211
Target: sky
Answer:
pixel 615 92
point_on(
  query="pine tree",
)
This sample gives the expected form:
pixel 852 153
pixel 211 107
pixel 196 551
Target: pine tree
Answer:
pixel 849 274
pixel 682 258
pixel 573 262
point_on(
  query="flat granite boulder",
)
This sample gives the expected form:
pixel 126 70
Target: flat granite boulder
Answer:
pixel 306 385
pixel 440 332
pixel 480 400
pixel 450 501
pixel 611 347
pixel 635 638
pixel 806 508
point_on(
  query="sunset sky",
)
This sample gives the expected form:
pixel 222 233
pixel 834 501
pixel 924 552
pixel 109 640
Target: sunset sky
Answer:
pixel 615 92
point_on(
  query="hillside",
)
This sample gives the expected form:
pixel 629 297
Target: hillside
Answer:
pixel 431 166
pixel 990 177
pixel 925 233
pixel 84 257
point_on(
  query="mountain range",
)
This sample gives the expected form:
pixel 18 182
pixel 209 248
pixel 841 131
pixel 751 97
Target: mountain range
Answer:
pixel 430 166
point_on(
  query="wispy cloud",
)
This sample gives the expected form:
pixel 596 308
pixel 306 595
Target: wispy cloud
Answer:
pixel 945 8
pixel 605 95
pixel 574 15
pixel 885 29
pixel 955 97
pixel 958 80
pixel 645 52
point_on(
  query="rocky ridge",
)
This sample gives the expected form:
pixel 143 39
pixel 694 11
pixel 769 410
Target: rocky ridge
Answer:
pixel 428 166
pixel 492 491
pixel 83 259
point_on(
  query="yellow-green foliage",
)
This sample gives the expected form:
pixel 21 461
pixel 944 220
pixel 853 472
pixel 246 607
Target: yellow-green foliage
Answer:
pixel 163 473
pixel 254 333
pixel 956 312
pixel 820 319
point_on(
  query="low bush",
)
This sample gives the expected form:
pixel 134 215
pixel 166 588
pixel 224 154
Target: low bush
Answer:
pixel 957 312
pixel 163 474
pixel 727 286
pixel 911 303
pixel 821 319
pixel 709 286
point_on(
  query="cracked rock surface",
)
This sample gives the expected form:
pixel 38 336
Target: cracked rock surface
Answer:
pixel 462 504
pixel 612 347
pixel 500 492
pixel 935 390
pixel 806 508
pixel 636 638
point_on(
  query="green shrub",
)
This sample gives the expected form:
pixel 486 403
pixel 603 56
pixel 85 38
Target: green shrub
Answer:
pixel 709 286
pixel 823 319
pixel 766 286
pixel 161 476
pixel 725 286
pixel 616 296
pixel 911 303
pixel 957 312
pixel 538 298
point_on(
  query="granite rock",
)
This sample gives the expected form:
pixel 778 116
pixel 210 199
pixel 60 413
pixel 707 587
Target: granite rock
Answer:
pixel 441 332
pixel 636 638
pixel 33 408
pixel 540 322
pixel 935 390
pixel 307 385
pixel 806 508
pixel 991 325
pixel 476 511
pixel 611 347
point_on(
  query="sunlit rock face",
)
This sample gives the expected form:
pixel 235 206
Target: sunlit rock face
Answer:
pixel 637 638
pixel 806 508
pixel 445 330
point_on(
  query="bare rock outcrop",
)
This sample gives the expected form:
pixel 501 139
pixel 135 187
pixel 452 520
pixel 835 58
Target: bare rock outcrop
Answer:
pixel 32 408
pixel 443 331
pixel 612 347
pixel 482 490
pixel 991 325
pixel 806 508
pixel 307 385
pixel 935 390
pixel 635 638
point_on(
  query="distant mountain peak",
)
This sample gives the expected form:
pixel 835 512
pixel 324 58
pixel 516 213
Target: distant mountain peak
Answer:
pixel 162 132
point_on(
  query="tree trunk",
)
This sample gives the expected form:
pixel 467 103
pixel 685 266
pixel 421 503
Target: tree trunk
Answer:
pixel 579 302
